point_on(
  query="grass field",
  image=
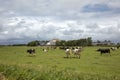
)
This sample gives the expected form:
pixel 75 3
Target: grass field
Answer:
pixel 16 64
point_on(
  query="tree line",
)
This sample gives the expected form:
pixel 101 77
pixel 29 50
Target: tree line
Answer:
pixel 79 42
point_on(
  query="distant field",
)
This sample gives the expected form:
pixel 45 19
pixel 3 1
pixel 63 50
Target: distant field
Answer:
pixel 91 65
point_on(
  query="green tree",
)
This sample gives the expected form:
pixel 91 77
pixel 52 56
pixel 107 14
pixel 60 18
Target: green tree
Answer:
pixel 33 43
pixel 89 41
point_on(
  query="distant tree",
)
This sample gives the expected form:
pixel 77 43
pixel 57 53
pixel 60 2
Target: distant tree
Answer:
pixel 118 44
pixel 79 42
pixel 89 41
pixel 61 43
pixel 33 43
pixel 69 43
pixel 98 41
pixel 58 43
pixel 82 42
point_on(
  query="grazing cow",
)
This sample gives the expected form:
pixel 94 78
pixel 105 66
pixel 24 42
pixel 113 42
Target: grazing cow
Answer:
pixel 77 52
pixel 68 51
pixel 104 51
pixel 45 50
pixel 113 48
pixel 31 51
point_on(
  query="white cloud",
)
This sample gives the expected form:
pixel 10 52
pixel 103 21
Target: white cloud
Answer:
pixel 64 19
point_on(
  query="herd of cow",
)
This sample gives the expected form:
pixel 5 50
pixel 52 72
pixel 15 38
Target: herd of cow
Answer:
pixel 76 51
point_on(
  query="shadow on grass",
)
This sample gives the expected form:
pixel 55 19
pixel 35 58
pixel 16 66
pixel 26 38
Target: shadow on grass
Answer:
pixel 71 57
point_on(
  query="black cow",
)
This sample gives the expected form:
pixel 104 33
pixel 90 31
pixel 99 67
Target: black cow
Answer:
pixel 102 51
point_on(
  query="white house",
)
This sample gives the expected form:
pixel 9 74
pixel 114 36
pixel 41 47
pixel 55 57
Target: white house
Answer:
pixel 52 42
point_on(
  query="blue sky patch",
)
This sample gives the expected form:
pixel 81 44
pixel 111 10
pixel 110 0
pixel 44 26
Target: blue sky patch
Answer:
pixel 96 8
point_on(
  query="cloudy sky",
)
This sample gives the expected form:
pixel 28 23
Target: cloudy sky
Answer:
pixel 24 20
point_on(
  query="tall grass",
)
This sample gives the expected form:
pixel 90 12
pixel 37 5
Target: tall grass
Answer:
pixel 13 72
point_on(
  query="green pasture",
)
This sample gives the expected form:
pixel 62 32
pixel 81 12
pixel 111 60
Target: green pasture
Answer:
pixel 91 65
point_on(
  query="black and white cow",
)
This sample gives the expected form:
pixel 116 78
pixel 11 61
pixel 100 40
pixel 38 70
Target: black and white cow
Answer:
pixel 68 52
pixel 73 51
pixel 77 52
pixel 31 51
pixel 104 50
pixel 114 48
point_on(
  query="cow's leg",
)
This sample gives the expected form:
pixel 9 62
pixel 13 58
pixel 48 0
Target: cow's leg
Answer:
pixel 79 56
pixel 109 53
pixel 74 55
pixel 67 55
pixel 30 53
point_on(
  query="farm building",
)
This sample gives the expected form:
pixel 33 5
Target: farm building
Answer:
pixel 52 42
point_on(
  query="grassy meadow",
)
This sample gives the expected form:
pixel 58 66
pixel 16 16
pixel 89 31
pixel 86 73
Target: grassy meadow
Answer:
pixel 17 64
